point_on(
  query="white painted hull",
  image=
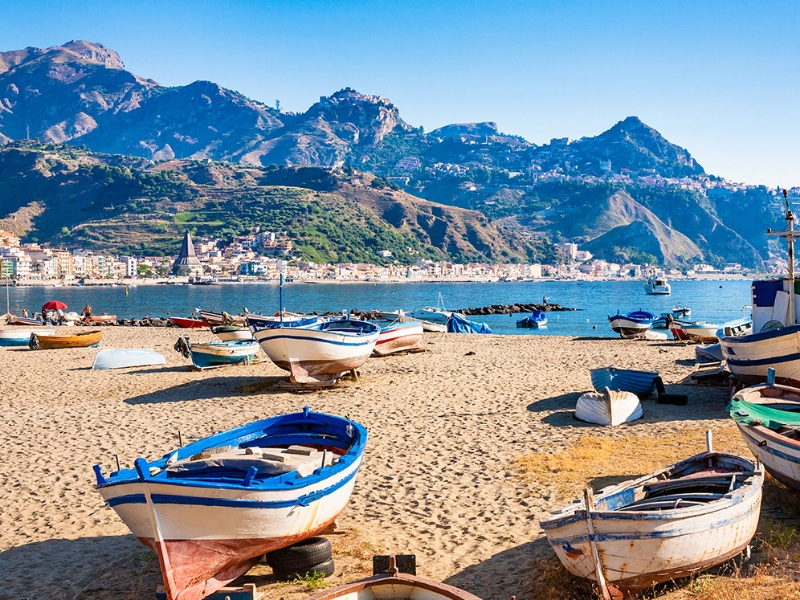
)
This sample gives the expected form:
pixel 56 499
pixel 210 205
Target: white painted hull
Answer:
pixel 640 548
pixel 627 327
pixel 400 337
pixel 314 355
pixel 750 356
pixel 701 332
pixel 609 408
pixel 241 334
pixel 19 336
pixel 112 358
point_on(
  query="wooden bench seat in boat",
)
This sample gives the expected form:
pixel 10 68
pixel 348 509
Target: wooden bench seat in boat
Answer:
pixel 267 462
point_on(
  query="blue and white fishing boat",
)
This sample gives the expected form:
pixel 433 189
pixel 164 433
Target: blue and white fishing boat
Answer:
pixel 321 351
pixel 633 324
pixel 641 383
pixel 680 520
pixel 398 337
pixel 19 336
pixel 206 355
pixel 121 358
pixel 735 328
pixel 226 333
pixel 775 341
pixel 536 320
pixel 768 417
pixel 212 509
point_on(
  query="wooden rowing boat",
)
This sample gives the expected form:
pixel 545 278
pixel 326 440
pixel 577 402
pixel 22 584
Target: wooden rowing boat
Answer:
pixel 188 322
pixel 608 407
pixel 675 522
pixel 81 339
pixel 213 508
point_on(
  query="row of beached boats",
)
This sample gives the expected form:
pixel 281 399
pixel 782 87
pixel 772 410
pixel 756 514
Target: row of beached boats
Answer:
pixel 642 324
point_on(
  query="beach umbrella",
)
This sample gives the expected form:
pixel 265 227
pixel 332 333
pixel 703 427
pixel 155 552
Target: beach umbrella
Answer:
pixel 53 305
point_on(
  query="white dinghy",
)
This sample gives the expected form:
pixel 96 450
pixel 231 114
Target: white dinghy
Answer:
pixel 608 407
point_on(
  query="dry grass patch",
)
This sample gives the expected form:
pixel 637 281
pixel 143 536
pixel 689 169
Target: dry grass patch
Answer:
pixel 614 458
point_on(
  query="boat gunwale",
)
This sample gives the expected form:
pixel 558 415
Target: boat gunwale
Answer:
pixel 403 579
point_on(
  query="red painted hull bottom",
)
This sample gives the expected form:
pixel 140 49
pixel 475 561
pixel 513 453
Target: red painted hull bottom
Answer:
pixel 679 334
pixel 198 568
pixel 189 323
pixel 312 371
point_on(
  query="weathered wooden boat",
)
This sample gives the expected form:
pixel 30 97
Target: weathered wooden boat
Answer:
pixel 19 336
pixel 657 286
pixel 122 358
pixel 677 313
pixel 99 319
pixel 432 327
pixel 24 321
pixel 775 341
pixel 608 407
pixel 639 382
pixel 675 327
pixel 221 318
pixel 535 320
pixel 211 509
pixel 709 353
pixel 188 322
pixel 737 327
pixel 768 417
pixel 633 324
pixel 700 331
pixel 395 585
pixel 227 333
pixel 290 319
pixel 54 341
pixel 399 337
pixel 319 351
pixel 206 355
pixel 675 522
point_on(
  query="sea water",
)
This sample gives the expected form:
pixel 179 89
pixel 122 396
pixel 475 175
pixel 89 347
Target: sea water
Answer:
pixel 711 301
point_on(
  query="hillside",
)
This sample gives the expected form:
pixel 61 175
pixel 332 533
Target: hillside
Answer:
pixel 72 197
pixel 80 94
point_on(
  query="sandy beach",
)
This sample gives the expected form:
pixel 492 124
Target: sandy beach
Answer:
pixel 442 476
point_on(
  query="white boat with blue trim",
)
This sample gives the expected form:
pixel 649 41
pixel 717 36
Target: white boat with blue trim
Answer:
pixel 319 351
pixel 122 358
pixel 211 509
pixel 18 336
pixel 207 355
pixel 632 324
pixel 677 521
pixel 768 417
pixel 399 337
pixel 775 341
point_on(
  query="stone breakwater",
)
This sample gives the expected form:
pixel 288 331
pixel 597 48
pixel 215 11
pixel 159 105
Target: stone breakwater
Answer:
pixel 506 309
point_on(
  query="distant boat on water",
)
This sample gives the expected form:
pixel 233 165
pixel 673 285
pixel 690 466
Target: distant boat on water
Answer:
pixel 657 286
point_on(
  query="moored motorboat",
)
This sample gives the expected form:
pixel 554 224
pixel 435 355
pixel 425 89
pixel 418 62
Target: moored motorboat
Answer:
pixel 320 351
pixel 122 358
pixel 657 286
pixel 677 521
pixel 636 381
pixel 54 341
pixel 608 407
pixel 211 509
pixel 188 322
pixel 19 336
pixel 207 355
pixel 227 333
pixel 632 324
pixel 399 337
pixel 395 585
pixel 535 320
pixel 768 417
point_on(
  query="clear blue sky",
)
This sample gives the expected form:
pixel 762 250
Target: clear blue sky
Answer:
pixel 720 78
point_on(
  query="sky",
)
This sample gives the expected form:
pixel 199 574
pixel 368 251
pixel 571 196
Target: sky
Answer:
pixel 720 78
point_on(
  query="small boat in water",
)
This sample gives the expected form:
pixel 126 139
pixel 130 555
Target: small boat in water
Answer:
pixel 641 383
pixel 536 320
pixel 188 322
pixel 768 417
pixel 319 351
pixel 680 520
pixel 399 337
pixel 121 358
pixel 633 324
pixel 395 585
pixel 226 333
pixel 657 286
pixel 54 341
pixel 206 355
pixel 608 407
pixel 212 509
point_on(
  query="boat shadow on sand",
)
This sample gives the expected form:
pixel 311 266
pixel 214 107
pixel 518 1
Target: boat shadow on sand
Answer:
pixel 212 387
pixel 705 402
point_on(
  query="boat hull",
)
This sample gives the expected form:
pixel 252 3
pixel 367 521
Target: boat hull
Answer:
pixel 218 354
pixel 609 409
pixel 228 333
pixel 399 337
pixel 187 323
pixel 312 355
pixel 19 336
pixel 399 586
pixel 641 383
pixel 779 454
pixel 638 549
pixel 629 327
pixel 50 341
pixel 705 333
pixel 113 358
pixel 750 356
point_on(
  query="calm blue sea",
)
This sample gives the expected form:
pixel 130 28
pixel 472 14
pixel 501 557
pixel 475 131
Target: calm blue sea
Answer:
pixel 715 301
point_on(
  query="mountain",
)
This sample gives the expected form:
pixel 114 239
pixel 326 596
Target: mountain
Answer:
pixel 80 94
pixel 74 197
